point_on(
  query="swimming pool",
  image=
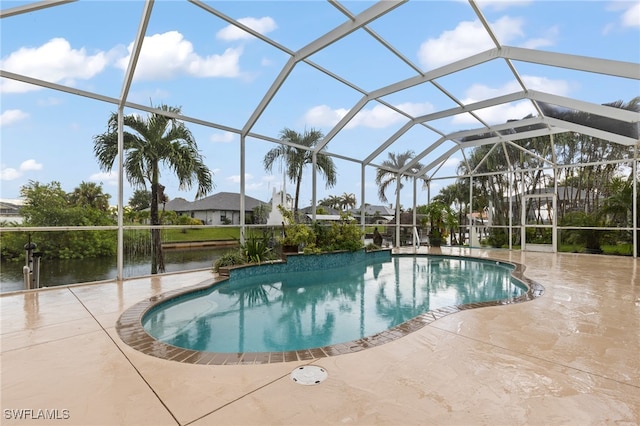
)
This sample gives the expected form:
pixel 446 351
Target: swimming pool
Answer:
pixel 327 308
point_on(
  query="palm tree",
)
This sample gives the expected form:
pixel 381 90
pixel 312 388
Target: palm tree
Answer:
pixel 294 160
pixel 332 201
pixel 89 194
pixel 347 201
pixel 442 219
pixel 385 177
pixel 157 141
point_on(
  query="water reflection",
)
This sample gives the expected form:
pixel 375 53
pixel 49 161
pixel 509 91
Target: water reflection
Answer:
pixel 283 312
pixel 55 272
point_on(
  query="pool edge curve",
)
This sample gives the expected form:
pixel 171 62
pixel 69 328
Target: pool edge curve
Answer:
pixel 131 332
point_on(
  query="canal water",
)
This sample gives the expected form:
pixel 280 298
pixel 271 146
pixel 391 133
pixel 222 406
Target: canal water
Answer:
pixel 56 272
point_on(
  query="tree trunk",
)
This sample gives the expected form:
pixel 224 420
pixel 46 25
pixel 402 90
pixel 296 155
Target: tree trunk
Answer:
pixel 295 205
pixel 157 258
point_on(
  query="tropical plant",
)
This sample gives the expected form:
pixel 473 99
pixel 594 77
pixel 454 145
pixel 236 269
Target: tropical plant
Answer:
pixel 344 235
pixel 229 258
pixel 456 194
pixel 347 201
pixel 441 219
pixel 332 201
pixel 590 238
pixel 160 140
pixel 257 248
pixel 295 233
pixel 293 159
pixel 388 173
pixel 89 194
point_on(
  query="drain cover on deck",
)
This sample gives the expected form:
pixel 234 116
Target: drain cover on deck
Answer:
pixel 309 375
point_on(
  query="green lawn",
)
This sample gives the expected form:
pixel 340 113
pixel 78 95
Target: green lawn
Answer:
pixel 204 234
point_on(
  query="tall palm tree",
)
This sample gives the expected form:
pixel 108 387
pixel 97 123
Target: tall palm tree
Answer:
pixel 293 160
pixel 156 142
pixel 385 177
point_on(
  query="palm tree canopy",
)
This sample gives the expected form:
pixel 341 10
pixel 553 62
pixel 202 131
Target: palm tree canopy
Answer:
pixel 385 177
pixel 89 194
pixel 297 153
pixel 156 140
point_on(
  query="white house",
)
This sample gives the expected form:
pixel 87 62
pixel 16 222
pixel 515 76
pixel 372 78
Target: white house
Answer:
pixel 222 208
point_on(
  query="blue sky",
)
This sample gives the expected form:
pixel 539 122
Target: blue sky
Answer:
pixel 217 73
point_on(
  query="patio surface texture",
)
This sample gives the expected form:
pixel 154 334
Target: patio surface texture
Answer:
pixel 570 357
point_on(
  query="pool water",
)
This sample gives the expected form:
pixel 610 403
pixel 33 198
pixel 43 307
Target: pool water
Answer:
pixel 303 310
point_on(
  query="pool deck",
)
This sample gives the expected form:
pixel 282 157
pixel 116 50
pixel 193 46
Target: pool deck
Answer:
pixel 570 357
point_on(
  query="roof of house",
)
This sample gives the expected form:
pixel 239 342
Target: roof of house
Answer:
pixel 225 201
pixel 178 205
pixel 9 208
pixel 375 210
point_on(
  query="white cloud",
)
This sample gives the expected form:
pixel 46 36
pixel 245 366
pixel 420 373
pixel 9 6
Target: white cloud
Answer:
pixel 236 178
pixel 253 186
pixel 9 173
pixel 631 16
pixel 167 55
pixel 324 116
pixel 498 114
pixel 108 178
pixel 452 162
pixel 11 116
pixel 262 25
pixel 467 39
pixel 515 110
pixel 54 61
pixel 249 182
pixel 478 92
pixel 551 34
pixel 224 137
pixel 377 117
pixel 29 165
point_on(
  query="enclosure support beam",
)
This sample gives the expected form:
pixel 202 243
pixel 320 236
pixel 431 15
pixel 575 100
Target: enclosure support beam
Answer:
pixel 120 251
pixel 362 191
pixel 243 142
pixel 523 233
pixel 398 185
pixel 511 178
pixel 415 192
pixel 554 218
pixel 471 229
pixel 634 215
pixel 314 180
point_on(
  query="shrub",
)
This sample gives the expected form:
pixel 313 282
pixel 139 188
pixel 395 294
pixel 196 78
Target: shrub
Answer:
pixel 229 258
pixel 344 235
pixel 257 248
pixel 497 237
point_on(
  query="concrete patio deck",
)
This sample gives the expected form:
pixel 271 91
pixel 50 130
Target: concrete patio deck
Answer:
pixel 570 357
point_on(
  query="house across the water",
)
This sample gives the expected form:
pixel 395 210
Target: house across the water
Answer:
pixel 222 208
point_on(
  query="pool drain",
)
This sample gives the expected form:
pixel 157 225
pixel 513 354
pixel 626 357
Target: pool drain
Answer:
pixel 309 375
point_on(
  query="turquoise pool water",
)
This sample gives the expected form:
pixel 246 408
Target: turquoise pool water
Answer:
pixel 303 310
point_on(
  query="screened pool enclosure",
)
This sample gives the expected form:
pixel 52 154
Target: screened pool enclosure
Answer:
pixel 528 130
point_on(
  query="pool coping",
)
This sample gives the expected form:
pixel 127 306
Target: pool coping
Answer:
pixel 129 326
